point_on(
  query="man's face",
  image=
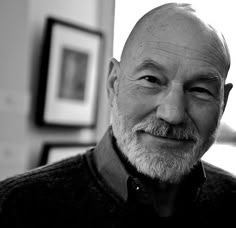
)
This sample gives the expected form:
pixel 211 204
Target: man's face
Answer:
pixel 168 103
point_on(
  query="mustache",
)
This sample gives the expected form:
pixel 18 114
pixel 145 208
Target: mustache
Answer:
pixel 185 131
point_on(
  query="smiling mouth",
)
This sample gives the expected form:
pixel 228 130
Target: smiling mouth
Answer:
pixel 168 139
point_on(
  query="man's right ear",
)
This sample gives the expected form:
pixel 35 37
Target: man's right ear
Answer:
pixel 113 79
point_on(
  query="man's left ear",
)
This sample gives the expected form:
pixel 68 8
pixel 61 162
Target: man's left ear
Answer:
pixel 227 88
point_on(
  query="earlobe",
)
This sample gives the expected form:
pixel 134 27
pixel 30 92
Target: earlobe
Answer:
pixel 113 79
pixel 227 89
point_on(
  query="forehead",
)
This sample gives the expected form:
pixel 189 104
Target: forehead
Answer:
pixel 176 53
pixel 178 37
pixel 176 61
pixel 190 55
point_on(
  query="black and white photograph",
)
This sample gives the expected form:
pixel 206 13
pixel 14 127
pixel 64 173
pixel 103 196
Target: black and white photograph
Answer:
pixel 117 114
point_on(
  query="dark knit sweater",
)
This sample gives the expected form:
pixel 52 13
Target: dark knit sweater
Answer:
pixel 71 193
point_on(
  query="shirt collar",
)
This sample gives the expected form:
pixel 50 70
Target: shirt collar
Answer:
pixel 109 165
pixel 112 169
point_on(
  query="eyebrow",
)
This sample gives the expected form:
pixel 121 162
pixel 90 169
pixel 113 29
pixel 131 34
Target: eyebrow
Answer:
pixel 148 64
pixel 206 77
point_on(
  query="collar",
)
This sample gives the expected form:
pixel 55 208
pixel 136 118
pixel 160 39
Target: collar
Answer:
pixel 125 182
pixel 110 166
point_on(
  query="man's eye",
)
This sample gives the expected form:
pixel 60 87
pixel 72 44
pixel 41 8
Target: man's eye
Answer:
pixel 151 79
pixel 200 92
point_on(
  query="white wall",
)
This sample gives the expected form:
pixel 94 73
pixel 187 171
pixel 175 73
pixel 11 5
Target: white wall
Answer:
pixel 21 26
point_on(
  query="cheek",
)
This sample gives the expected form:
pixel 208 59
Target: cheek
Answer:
pixel 132 105
pixel 205 118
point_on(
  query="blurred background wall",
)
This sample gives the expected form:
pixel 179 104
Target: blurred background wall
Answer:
pixel 21 31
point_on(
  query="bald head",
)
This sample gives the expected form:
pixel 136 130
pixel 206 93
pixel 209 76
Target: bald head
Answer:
pixel 178 25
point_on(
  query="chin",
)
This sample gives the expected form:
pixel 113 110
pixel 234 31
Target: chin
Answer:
pixel 157 167
pixel 159 163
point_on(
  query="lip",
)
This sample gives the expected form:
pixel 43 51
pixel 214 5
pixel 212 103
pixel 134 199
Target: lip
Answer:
pixel 166 140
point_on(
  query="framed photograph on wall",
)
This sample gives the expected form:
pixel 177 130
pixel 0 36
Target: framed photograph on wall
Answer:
pixel 69 78
pixel 54 152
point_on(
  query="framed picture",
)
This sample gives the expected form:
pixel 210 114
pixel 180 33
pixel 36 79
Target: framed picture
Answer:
pixel 70 66
pixel 53 152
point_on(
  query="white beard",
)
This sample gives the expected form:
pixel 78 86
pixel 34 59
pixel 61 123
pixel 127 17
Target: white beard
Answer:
pixel 159 162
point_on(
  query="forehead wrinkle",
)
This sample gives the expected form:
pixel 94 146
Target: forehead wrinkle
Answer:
pixel 218 54
pixel 185 56
pixel 170 47
pixel 149 63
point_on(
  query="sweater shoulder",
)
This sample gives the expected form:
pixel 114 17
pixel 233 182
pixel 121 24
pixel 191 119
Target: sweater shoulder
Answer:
pixel 219 183
pixel 217 174
pixel 45 177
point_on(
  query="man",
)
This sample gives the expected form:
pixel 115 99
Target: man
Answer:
pixel 167 96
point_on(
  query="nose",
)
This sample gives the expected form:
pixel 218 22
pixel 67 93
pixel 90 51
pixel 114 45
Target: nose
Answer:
pixel 172 107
